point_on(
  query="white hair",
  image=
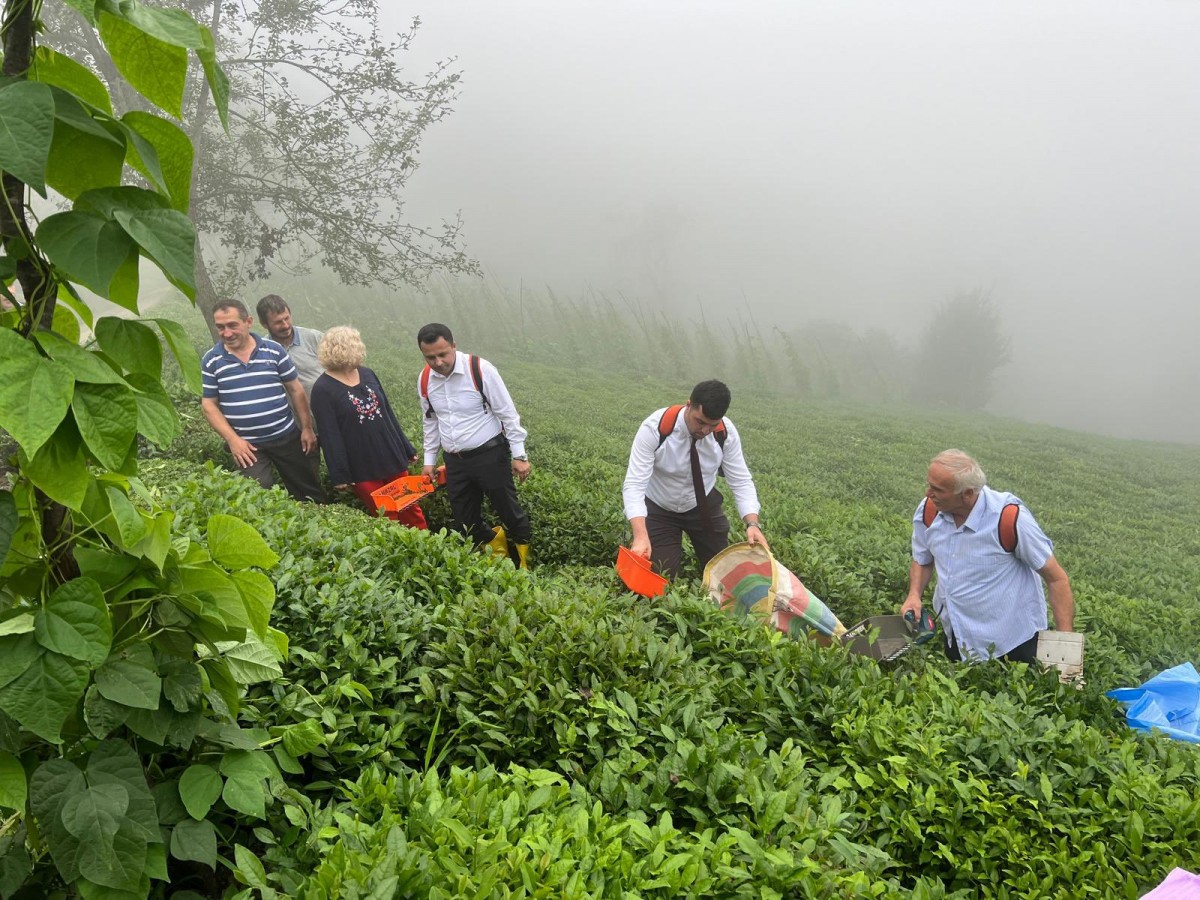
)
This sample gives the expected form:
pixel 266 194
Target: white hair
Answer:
pixel 967 473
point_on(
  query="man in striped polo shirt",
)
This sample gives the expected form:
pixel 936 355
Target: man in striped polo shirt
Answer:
pixel 247 383
pixel 989 596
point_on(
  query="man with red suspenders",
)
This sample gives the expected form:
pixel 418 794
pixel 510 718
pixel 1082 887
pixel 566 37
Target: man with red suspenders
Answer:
pixel 470 417
pixel 990 557
pixel 671 482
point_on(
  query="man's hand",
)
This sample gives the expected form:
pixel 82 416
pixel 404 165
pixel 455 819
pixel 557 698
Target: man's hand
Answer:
pixel 913 605
pixel 308 440
pixel 754 535
pixel 520 469
pixel 640 546
pixel 428 471
pixel 243 452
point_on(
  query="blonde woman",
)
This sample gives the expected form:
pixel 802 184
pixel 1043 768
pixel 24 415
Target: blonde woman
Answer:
pixel 364 445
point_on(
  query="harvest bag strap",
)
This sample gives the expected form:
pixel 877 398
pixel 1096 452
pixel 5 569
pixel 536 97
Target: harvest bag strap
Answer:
pixel 476 379
pixel 1006 528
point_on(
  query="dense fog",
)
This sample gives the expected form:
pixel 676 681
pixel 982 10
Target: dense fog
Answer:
pixel 857 161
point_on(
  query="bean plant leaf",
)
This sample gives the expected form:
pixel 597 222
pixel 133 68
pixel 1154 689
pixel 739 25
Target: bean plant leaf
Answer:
pixel 75 622
pixel 95 811
pixel 157 69
pixel 236 545
pixel 252 661
pixel 117 862
pixel 51 67
pixel 107 417
pixel 84 154
pixel 173 154
pixel 26 131
pixel 17 653
pixel 102 716
pixel 130 523
pixel 156 416
pixel 226 607
pixel 115 762
pixel 251 868
pixel 246 794
pixel 87 248
pixel 199 788
pixel 218 81
pixel 130 678
pixel 60 468
pixel 302 738
pixel 155 545
pixel 131 344
pixel 181 349
pixel 85 365
pixel 52 783
pixel 14 789
pixel 21 623
pixel 35 392
pixel 258 595
pixel 46 693
pixel 168 237
pixel 195 841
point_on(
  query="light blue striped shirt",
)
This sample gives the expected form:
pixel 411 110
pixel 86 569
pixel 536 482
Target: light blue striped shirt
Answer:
pixel 988 599
pixel 250 394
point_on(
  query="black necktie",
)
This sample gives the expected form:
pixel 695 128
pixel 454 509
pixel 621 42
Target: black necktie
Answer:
pixel 698 487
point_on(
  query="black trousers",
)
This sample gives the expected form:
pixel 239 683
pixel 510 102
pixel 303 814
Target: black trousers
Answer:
pixel 295 467
pixel 485 474
pixel 666 530
pixel 1025 652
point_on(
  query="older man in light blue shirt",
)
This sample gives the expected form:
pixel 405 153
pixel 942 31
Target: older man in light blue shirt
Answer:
pixel 988 596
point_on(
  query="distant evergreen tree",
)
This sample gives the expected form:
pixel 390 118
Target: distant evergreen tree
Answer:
pixel 959 354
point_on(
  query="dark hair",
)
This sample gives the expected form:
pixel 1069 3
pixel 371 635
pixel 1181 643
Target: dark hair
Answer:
pixel 272 304
pixel 230 303
pixel 711 398
pixel 433 332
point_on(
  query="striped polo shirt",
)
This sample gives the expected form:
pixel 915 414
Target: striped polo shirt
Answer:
pixel 990 600
pixel 250 394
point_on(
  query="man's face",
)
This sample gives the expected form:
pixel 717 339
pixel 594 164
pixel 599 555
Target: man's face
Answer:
pixel 279 326
pixel 940 489
pixel 233 329
pixel 440 355
pixel 698 424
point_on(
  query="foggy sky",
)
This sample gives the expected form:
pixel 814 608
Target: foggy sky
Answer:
pixel 851 160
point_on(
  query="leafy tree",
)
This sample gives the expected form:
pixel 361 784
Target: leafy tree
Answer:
pixel 324 133
pixel 959 354
pixel 124 647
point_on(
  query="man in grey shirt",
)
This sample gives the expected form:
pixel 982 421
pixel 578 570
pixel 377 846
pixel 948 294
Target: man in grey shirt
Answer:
pixel 300 343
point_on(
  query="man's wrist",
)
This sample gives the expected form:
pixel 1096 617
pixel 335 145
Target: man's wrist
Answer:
pixel 521 458
pixel 754 524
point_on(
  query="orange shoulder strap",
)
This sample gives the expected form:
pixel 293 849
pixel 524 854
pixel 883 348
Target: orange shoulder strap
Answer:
pixel 929 512
pixel 1007 527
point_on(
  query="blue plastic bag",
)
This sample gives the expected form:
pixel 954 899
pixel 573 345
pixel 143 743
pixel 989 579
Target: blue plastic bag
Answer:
pixel 1168 702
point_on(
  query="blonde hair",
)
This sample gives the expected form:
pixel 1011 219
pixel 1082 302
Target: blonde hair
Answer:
pixel 967 473
pixel 341 349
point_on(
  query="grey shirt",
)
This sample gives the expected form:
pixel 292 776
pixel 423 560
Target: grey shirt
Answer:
pixel 303 351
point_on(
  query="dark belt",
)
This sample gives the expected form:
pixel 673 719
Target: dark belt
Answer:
pixel 497 441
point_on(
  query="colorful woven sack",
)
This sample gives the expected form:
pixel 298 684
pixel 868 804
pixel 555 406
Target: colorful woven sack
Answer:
pixel 746 579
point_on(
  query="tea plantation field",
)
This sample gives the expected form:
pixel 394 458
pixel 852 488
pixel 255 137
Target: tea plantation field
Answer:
pixel 475 731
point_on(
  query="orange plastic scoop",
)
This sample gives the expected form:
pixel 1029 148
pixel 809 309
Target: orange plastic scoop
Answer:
pixel 407 490
pixel 635 571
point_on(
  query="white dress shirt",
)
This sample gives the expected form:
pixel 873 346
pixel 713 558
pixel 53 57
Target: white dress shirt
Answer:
pixel 460 420
pixel 664 474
